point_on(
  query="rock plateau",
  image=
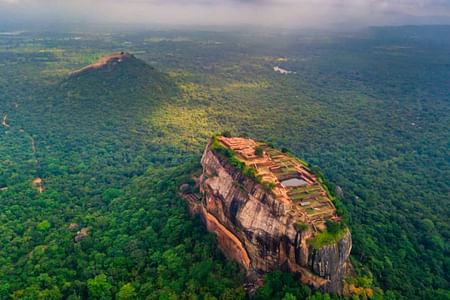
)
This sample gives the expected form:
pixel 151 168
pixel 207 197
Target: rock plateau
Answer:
pixel 270 212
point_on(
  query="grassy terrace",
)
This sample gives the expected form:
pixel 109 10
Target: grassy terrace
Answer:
pixel 327 238
pixel 272 168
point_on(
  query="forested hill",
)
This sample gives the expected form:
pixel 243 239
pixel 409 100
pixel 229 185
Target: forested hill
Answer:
pixel 118 72
pixel 92 121
pixel 117 90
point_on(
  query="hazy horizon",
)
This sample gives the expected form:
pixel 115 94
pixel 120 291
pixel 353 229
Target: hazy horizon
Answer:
pixel 278 13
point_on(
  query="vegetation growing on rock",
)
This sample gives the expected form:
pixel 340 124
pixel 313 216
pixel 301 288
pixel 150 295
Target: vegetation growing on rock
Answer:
pixel 327 238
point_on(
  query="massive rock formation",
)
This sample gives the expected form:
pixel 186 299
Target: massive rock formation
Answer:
pixel 257 224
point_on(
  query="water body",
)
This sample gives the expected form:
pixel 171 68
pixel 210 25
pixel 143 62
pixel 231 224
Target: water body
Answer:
pixel 293 182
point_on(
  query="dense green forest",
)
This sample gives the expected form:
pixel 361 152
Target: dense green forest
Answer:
pixel 370 108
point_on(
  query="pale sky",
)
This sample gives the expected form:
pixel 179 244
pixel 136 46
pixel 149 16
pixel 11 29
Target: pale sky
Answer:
pixel 284 13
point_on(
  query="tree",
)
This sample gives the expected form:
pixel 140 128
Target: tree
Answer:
pixel 289 296
pixel 110 194
pixel 43 226
pixel 300 227
pixel 259 151
pixel 127 292
pixel 99 287
pixel 4 290
pixel 333 227
pixel 233 294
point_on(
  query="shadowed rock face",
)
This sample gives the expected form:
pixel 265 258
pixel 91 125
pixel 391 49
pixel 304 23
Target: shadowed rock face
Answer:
pixel 256 230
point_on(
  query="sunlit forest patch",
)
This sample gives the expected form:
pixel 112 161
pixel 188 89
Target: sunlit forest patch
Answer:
pixel 183 127
pixel 246 85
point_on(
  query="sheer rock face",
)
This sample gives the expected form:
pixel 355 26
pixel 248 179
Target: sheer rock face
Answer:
pixel 254 229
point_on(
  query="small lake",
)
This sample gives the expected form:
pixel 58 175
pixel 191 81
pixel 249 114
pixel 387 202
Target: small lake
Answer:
pixel 293 182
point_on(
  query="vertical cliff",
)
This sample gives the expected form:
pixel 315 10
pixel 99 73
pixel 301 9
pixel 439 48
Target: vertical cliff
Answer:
pixel 268 210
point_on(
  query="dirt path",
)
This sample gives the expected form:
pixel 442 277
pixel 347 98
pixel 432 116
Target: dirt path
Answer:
pixel 5 121
pixel 33 144
pixel 37 182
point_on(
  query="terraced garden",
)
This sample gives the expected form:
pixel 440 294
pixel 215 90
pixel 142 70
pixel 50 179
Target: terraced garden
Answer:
pixel 292 180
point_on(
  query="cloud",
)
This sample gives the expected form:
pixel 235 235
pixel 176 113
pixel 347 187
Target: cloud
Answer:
pixel 283 13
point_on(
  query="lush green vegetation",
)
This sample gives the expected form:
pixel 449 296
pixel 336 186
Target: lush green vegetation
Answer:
pixel 327 237
pixel 334 232
pixel 371 109
pixel 100 172
pixel 300 227
pixel 259 151
pixel 284 286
